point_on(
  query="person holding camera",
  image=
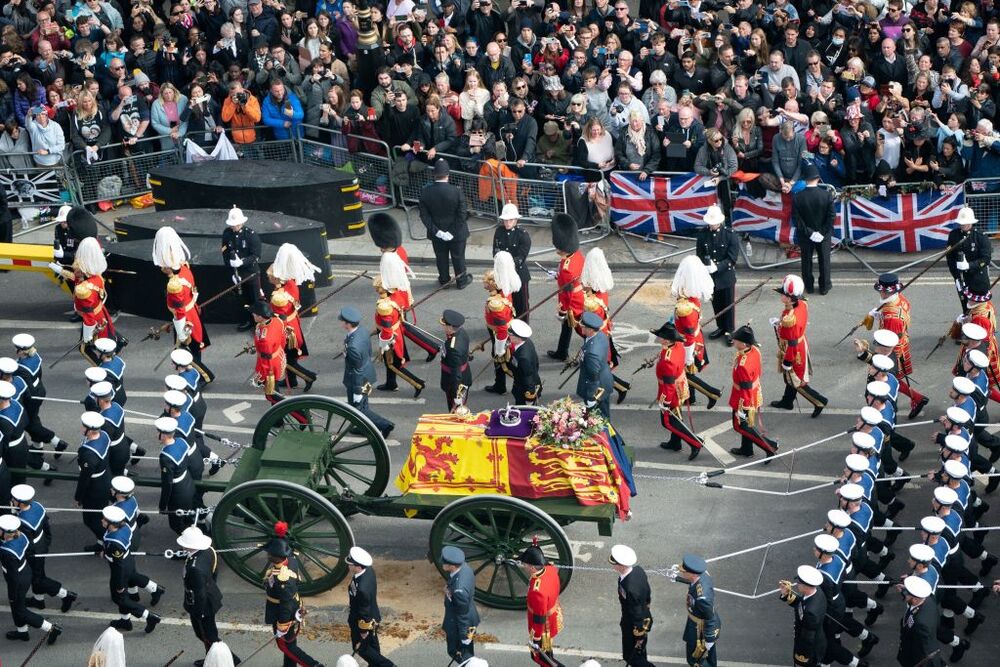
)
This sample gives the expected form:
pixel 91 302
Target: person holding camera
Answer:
pixel 716 159
pixel 131 115
pixel 622 107
pixel 384 93
pixel 282 112
pixel 519 138
pixel 484 21
pixel 241 111
pixel 281 66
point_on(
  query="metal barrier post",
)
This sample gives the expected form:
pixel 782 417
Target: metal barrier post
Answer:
pixel 127 175
pixel 372 166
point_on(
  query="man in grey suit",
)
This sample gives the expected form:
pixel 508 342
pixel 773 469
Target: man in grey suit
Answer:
pixel 595 383
pixel 460 615
pixel 359 373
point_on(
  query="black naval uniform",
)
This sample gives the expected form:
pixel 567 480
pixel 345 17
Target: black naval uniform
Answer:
pixel 93 486
pixel 702 621
pixel 523 364
pixel 455 366
pixel 283 604
pixel 977 251
pixel 67 240
pixel 15 555
pixel 635 597
pixel 364 617
pixel 518 243
pixel 202 597
pixel 722 247
pixel 810 641
pixel 918 635
pixel 177 489
pixel 30 370
pixel 245 245
pixel 35 526
pixel 13 442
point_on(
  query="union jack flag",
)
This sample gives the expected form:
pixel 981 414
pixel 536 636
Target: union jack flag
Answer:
pixel 660 204
pixel 771 218
pixel 905 222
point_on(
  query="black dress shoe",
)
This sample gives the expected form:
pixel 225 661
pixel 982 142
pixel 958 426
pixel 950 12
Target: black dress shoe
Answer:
pixel 464 282
pixel 308 385
pixel 430 356
pixel 246 326
pixel 67 601
pixel 151 622
pixel 718 333
pixel 974 623
pixel 810 290
pixel 958 652
pixel 867 644
pixel 387 387
pixel 711 403
pixel 54 634
pixel 767 458
pixel 621 397
pixel 387 430
pixel 782 406
pixel 14 635
pixel 666 445
pixel 817 410
pixel 987 565
pixel 917 407
pixel 873 615
pixel 558 356
pixel 739 451
pixel 416 392
pixel 991 486
pixel 199 663
pixel 121 624
pixel 729 339
pixel 824 291
pixel 695 451
pixel 155 597
pixel 495 389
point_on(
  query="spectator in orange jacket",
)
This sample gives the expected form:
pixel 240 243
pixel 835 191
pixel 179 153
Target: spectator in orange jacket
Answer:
pixel 241 111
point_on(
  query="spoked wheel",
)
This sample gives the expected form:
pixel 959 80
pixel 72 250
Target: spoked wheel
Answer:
pixel 318 533
pixel 356 459
pixel 492 531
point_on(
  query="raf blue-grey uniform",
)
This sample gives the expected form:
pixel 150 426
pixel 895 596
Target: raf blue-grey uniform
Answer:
pixel 359 370
pixel 702 621
pixel 595 382
pixel 460 615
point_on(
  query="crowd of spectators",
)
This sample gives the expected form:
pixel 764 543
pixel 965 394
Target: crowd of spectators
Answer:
pixel 883 91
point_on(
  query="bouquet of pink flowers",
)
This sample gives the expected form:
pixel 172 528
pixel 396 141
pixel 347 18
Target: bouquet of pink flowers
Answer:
pixel 566 424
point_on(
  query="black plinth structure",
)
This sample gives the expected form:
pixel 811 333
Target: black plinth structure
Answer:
pixel 273 228
pixel 144 293
pixel 307 191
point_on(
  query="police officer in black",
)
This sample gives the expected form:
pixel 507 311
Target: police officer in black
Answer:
pixel 455 370
pixel 511 237
pixel 15 552
pixel 635 597
pixel 523 364
pixel 718 249
pixel 969 257
pixel 241 252
pixel 202 597
pixel 814 219
pixel 363 617
pixel 283 609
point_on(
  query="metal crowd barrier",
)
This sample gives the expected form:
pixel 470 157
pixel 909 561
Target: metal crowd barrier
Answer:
pixel 982 195
pixel 265 147
pixel 122 169
pixel 331 148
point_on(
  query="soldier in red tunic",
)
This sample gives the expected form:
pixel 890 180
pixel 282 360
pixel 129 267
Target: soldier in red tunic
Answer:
pixel 269 343
pixel 746 397
pixel 393 289
pixel 172 255
pixel 691 287
pixel 673 390
pixel 893 313
pixel 545 615
pixel 597 284
pixel 793 348
pixel 501 283
pixel 567 244
pixel 89 295
pixel 289 270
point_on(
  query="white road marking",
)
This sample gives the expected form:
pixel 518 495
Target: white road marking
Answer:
pixel 211 428
pixel 30 325
pixel 165 620
pixel 233 412
pixel 744 472
pixel 578 547
pixel 607 655
pixel 717 450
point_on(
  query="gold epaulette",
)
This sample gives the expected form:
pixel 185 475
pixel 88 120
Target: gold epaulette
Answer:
pixel 280 298
pixel 592 304
pixel 83 290
pixel 789 319
pixel 384 306
pixel 683 308
pixel 495 303
pixel 285 573
pixel 174 285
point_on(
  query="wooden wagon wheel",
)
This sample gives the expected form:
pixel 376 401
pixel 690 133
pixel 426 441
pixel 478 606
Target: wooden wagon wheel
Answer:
pixel 317 532
pixel 358 458
pixel 493 530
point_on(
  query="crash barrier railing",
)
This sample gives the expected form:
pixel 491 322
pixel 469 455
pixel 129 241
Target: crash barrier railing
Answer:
pixel 265 147
pixel 366 158
pixel 121 170
pixel 32 186
pixel 982 195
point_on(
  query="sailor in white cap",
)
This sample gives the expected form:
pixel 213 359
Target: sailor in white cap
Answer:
pixel 177 488
pixel 173 406
pixel 35 526
pixel 363 616
pixel 93 375
pixel 852 502
pixel 523 364
pixel 191 383
pixel 944 504
pixel 920 562
pixel 119 445
pixel 510 237
pixel 202 597
pixel 877 395
pixel 29 363
pixel 974 365
pixel 116 544
pixel 919 628
pixel 241 251
pixel 810 608
pixel 93 486
pixel 14 556
pixel 834 569
pixel 635 597
pixel 109 360
pixel 12 422
pixel 122 490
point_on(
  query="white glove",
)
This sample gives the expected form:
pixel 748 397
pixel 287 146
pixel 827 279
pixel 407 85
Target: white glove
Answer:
pixel 552 274
pixel 709 645
pixel 874 312
pixel 958 284
pixel 280 633
pixel 712 268
pixel 741 415
pixel 459 401
pixel 236 262
pixel 444 236
pixel 591 404
pixel 816 237
pixel 961 319
pixel 180 329
pixel 357 398
pixel 58 252
pixel 298 615
pixel 57 268
pixel 466 642
pixel 963 265
pixel 688 355
pixel 236 281
pixel 87 334
pixel 384 345
pixel 561 316
pixel 499 347
pixel 773 321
